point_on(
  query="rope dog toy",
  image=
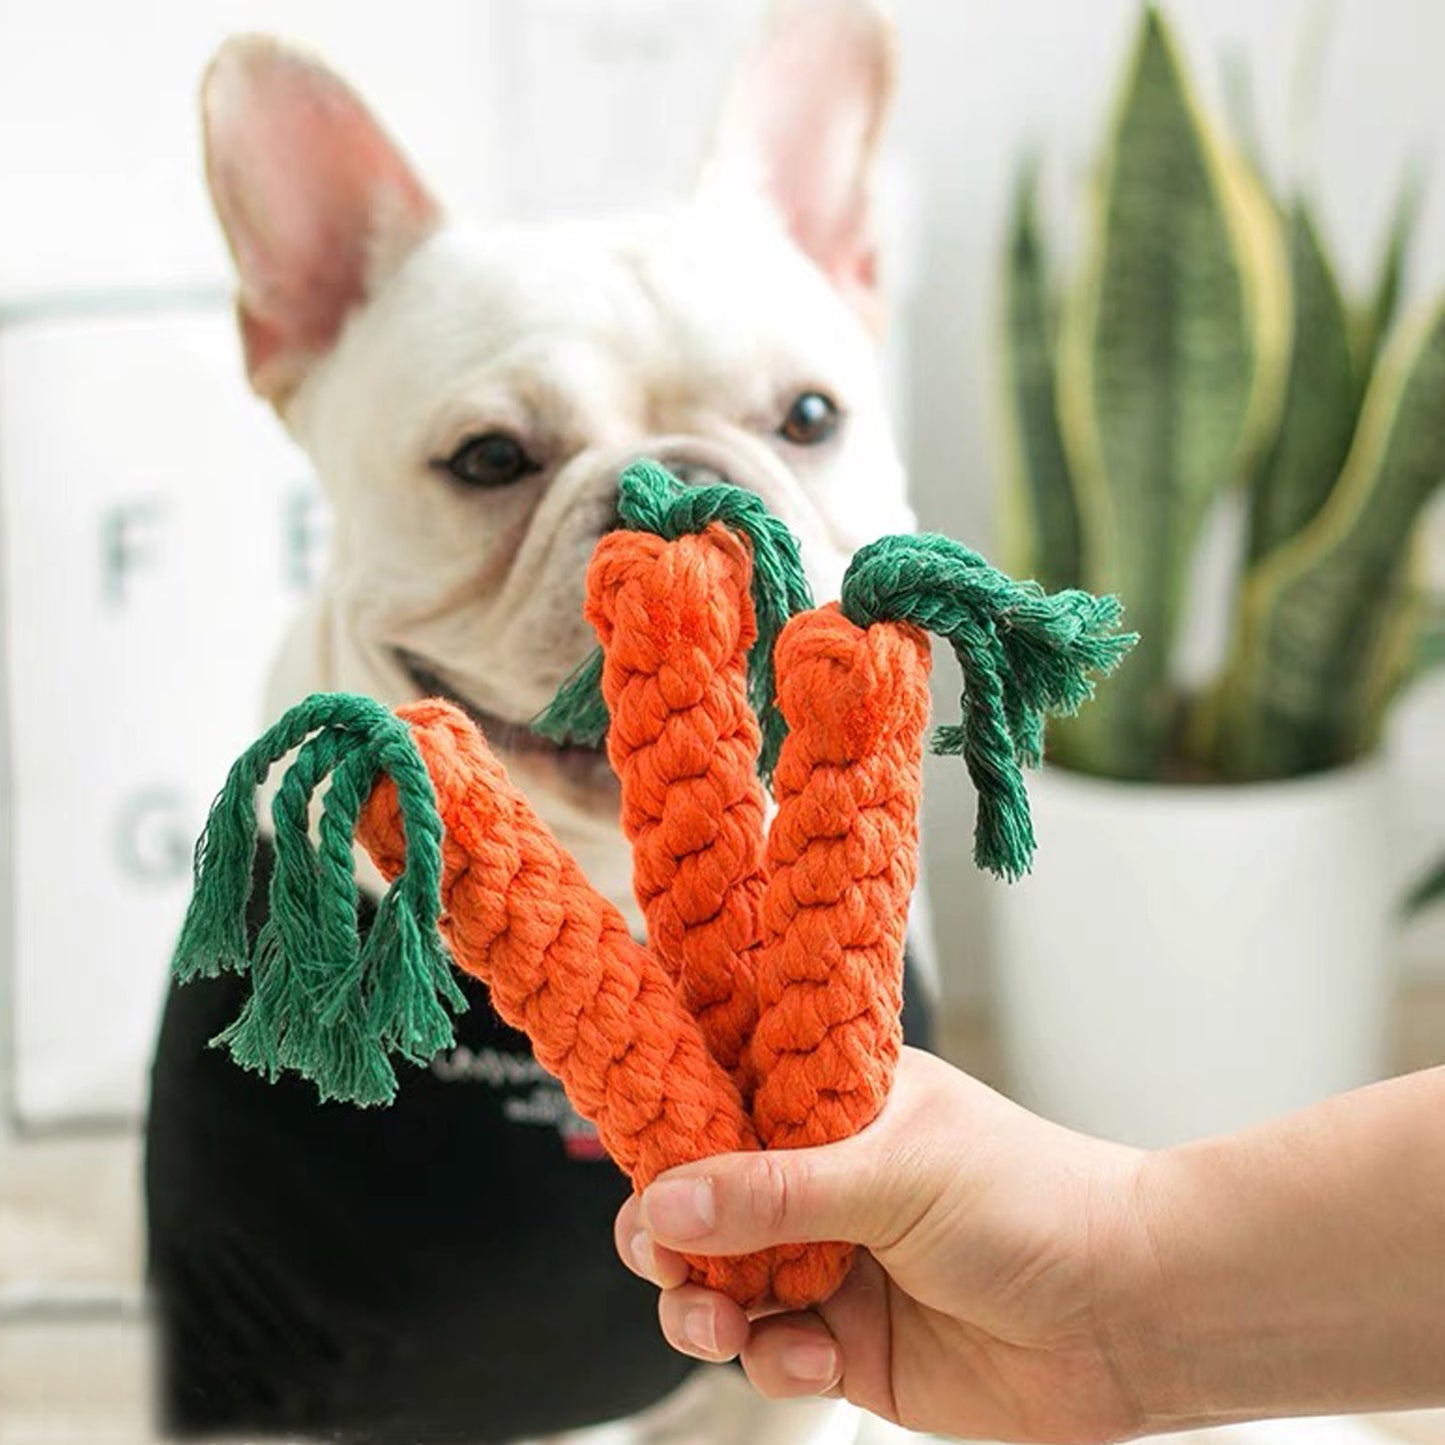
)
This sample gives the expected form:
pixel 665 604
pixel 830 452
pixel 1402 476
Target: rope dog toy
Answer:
pixel 764 1011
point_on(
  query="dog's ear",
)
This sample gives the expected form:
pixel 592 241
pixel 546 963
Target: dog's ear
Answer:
pixel 801 126
pixel 316 201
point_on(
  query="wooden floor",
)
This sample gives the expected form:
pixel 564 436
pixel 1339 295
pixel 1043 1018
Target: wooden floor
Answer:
pixel 73 1339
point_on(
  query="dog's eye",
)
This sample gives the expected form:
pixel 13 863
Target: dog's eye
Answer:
pixel 811 419
pixel 493 459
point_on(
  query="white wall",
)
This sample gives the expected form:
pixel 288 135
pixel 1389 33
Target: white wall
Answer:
pixel 562 104
pixel 100 163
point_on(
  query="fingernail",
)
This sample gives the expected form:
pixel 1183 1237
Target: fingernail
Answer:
pixel 640 1248
pixel 700 1330
pixel 680 1208
pixel 813 1362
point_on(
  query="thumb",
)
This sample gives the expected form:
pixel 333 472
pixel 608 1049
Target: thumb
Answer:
pixel 738 1203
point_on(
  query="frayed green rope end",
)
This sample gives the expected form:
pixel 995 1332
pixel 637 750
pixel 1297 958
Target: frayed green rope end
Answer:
pixel 322 1003
pixel 577 714
pixel 651 499
pixel 1025 655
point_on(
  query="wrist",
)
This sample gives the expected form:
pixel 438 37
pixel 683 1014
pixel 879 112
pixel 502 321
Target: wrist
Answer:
pixel 1203 1322
pixel 1143 1322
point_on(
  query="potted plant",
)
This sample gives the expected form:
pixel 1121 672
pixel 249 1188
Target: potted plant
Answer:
pixel 1205 938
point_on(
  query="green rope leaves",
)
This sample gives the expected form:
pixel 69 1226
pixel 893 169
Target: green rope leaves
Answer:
pixel 1025 654
pixel 323 1004
pixel 651 499
pixel 577 714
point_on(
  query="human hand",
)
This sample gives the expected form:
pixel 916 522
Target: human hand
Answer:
pixel 992 1244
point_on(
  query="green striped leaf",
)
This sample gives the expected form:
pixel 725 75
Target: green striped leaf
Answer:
pixel 1374 323
pixel 1038 514
pixel 1321 399
pixel 1301 687
pixel 1171 374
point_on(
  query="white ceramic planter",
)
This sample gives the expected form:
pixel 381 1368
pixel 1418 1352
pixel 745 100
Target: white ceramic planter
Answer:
pixel 1185 960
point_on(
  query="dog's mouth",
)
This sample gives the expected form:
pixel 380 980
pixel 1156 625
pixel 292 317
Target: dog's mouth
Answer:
pixel 578 763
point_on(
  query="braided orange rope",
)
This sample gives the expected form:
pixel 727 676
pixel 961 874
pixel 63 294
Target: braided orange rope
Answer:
pixel 766 1012
pixel 675 621
pixel 560 964
pixel 842 858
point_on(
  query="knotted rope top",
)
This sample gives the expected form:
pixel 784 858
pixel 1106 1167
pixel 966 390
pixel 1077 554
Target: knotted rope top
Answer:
pixel 764 1012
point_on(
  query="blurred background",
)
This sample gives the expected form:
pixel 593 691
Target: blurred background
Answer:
pixel 158 529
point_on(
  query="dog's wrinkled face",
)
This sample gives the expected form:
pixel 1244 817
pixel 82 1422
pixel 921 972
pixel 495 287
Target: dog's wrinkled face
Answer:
pixel 469 396
pixel 473 420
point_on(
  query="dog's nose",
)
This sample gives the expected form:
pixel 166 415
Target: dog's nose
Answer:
pixel 689 473
pixel 695 474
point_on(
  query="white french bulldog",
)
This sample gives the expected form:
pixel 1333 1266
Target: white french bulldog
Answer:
pixel 468 397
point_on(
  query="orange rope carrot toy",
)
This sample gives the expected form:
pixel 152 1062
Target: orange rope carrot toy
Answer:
pixel 764 1011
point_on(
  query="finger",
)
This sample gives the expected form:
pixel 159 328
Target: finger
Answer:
pixel 857 1321
pixel 791 1355
pixel 637 1250
pixel 702 1324
pixel 861 1317
pixel 738 1203
pixel 869 1189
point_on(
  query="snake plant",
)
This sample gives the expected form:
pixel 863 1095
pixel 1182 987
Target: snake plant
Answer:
pixel 1202 354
